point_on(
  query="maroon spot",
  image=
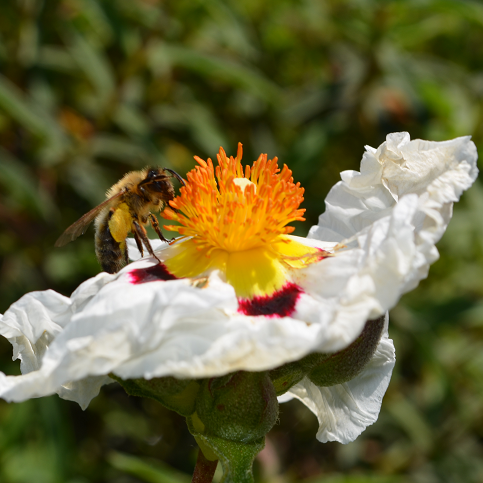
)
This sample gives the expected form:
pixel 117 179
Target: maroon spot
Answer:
pixel 279 304
pixel 220 407
pixel 324 254
pixel 150 274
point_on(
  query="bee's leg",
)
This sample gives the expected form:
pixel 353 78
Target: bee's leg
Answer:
pixel 139 231
pixel 155 225
pixel 139 243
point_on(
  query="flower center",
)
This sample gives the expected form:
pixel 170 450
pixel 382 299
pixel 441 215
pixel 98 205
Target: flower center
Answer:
pixel 240 210
pixel 234 220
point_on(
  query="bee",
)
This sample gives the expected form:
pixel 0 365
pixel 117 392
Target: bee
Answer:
pixel 128 208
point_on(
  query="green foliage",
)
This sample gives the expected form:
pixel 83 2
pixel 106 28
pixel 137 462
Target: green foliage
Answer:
pixel 92 89
pixel 176 394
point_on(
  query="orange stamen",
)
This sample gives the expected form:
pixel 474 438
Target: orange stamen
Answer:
pixel 235 216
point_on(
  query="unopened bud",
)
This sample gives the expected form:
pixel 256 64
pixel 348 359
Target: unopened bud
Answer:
pixel 239 407
pixel 346 364
pixel 331 369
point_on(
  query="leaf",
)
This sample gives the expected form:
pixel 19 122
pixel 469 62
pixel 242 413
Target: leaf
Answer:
pixel 95 65
pixel 22 188
pixel 131 120
pixel 88 179
pixel 357 479
pixel 215 67
pixel 228 26
pixel 413 422
pixel 118 148
pixel 94 20
pixel 56 58
pixel 145 470
pixel 33 118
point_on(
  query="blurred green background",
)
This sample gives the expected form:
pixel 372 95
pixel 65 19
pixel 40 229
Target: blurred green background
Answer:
pixel 90 89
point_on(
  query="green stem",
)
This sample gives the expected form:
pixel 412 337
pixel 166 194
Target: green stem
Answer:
pixel 204 469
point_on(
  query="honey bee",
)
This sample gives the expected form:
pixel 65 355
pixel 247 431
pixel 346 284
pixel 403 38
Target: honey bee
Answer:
pixel 129 206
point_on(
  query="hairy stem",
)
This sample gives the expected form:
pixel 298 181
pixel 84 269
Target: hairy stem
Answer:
pixel 204 469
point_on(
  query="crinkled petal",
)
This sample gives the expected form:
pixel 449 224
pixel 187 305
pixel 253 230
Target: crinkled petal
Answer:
pixel 31 324
pixel 173 328
pixel 389 217
pixel 345 410
pixel 437 172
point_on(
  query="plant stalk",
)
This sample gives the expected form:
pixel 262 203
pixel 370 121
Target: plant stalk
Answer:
pixel 204 469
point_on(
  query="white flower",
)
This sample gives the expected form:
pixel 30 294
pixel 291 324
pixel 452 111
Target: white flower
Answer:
pixel 236 292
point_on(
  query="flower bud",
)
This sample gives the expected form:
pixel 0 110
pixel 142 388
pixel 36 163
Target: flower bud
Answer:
pixel 238 407
pixel 346 364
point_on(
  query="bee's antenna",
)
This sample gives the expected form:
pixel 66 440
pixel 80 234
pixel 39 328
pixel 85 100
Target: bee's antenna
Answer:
pixel 180 179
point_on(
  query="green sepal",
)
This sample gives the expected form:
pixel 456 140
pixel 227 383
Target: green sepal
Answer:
pixel 236 458
pixel 176 394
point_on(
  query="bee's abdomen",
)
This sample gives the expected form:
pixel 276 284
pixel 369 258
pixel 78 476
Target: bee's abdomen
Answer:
pixel 112 255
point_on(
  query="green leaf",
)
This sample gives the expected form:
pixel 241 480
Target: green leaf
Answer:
pixel 33 118
pixel 95 65
pixel 57 59
pixel 412 421
pixel 22 188
pixel 118 148
pixel 220 69
pixel 146 470
pixel 357 479
pixel 131 120
pixel 88 179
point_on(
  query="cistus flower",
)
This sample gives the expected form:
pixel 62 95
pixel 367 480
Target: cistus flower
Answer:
pixel 237 292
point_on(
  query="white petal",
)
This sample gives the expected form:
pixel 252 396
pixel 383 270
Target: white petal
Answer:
pixel 390 215
pixel 31 324
pixel 345 410
pixel 437 170
pixel 135 254
pixel 172 328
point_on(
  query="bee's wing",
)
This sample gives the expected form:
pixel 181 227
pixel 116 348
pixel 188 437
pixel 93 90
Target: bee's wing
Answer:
pixel 79 227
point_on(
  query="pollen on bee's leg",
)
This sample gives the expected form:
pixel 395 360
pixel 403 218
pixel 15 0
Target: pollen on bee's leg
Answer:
pixel 155 273
pixel 280 304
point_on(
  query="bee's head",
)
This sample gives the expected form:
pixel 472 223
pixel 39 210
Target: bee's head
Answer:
pixel 161 174
pixel 154 173
pixel 157 183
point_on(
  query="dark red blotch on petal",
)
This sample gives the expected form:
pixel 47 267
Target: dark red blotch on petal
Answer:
pixel 279 304
pixel 150 274
pixel 323 254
